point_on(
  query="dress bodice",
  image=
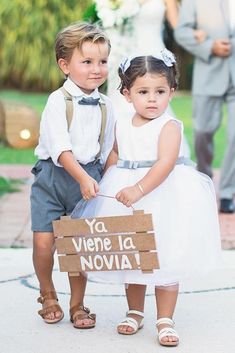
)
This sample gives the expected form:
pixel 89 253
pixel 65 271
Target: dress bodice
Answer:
pixel 147 27
pixel 141 143
pixel 144 36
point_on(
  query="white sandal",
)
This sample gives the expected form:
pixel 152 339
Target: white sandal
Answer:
pixel 129 321
pixel 167 331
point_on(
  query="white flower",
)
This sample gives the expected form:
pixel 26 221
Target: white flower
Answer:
pixel 107 16
pixel 116 12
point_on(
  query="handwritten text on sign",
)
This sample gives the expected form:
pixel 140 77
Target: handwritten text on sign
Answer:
pixel 100 251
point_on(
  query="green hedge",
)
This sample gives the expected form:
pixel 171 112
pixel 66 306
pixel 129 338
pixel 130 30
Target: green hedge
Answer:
pixel 28 29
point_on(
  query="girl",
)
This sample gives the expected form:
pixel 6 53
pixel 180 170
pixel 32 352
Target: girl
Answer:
pixel 182 201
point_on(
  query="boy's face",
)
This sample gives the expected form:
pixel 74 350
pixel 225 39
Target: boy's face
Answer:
pixel 88 67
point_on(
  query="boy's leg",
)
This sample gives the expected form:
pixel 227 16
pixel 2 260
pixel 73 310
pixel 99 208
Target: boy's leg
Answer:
pixel 78 287
pixel 43 260
pixel 135 294
pixel 78 283
pixel 166 298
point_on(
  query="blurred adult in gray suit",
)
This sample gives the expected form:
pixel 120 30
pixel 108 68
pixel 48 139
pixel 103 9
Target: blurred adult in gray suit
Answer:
pixel 213 83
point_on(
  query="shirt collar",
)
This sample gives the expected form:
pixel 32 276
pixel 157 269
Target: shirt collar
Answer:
pixel 76 91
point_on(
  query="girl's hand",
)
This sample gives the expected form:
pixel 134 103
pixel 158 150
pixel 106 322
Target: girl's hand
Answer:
pixel 129 195
pixel 89 187
pixel 200 35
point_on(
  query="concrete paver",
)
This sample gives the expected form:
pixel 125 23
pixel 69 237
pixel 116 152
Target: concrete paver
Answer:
pixel 204 315
pixel 15 222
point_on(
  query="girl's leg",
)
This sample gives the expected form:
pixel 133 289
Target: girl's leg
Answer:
pixel 43 260
pixel 78 287
pixel 135 295
pixel 166 298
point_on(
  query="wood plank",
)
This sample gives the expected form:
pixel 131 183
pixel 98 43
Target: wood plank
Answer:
pixel 104 243
pixel 109 262
pixel 103 225
pixel 149 261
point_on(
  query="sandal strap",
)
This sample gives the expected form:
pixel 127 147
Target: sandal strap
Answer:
pixel 78 307
pixel 166 321
pixel 167 331
pixel 129 321
pixel 75 315
pixel 50 309
pixel 135 312
pixel 81 316
pixel 47 295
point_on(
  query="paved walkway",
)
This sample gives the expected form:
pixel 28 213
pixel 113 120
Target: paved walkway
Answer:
pixel 204 314
pixel 15 209
pixel 15 213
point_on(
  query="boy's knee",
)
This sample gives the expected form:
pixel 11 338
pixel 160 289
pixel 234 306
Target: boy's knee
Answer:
pixel 43 242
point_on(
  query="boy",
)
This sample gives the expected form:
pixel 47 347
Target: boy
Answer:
pixel 70 156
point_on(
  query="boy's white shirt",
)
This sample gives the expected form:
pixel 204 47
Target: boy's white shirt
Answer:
pixel 82 137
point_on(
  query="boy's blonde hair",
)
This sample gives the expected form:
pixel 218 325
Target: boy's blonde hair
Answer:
pixel 75 35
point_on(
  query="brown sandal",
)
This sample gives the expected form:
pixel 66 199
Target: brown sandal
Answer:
pixel 80 312
pixel 51 308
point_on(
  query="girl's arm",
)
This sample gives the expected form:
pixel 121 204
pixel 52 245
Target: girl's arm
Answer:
pixel 168 151
pixel 88 185
pixel 172 12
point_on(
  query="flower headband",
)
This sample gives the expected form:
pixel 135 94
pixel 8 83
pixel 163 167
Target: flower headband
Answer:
pixel 165 55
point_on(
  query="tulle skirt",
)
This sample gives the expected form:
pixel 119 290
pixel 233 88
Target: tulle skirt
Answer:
pixel 185 220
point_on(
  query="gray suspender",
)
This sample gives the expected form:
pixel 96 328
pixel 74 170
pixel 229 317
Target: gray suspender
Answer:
pixel 69 116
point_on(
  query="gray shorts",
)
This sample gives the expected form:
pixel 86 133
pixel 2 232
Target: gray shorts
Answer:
pixel 55 193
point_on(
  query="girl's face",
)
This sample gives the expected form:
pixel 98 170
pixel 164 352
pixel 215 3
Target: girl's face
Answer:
pixel 87 67
pixel 150 95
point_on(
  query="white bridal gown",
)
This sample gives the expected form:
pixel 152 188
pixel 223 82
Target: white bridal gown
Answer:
pixel 142 36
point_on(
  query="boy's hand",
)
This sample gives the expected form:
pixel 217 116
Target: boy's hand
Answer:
pixel 129 195
pixel 89 188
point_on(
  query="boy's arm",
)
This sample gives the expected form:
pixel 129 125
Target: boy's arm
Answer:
pixel 54 134
pixel 113 157
pixel 88 185
pixel 109 131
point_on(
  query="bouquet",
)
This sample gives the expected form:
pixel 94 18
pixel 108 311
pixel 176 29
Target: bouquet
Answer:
pixel 116 13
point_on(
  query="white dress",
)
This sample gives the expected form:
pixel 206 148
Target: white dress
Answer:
pixel 183 207
pixel 144 37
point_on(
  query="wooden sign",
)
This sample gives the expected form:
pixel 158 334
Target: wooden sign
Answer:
pixel 106 243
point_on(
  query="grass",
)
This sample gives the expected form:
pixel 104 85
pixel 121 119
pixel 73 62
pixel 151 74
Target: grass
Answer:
pixel 9 185
pixel 10 155
pixel 35 100
pixel 181 105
